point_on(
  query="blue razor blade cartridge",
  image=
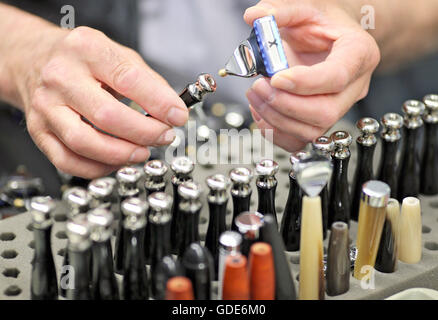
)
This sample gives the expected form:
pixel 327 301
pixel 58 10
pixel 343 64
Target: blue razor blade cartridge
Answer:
pixel 271 48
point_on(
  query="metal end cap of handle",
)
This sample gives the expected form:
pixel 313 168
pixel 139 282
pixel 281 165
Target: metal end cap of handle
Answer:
pixel 101 187
pixel 182 165
pixel 375 193
pixel 128 175
pixel 155 168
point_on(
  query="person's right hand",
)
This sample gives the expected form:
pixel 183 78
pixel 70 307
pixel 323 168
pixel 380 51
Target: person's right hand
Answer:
pixel 83 73
pixel 331 58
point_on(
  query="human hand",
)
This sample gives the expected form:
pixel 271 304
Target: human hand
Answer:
pixel 331 61
pixel 83 73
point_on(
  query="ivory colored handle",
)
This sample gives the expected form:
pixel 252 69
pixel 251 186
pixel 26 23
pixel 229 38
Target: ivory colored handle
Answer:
pixel 311 250
pixel 410 231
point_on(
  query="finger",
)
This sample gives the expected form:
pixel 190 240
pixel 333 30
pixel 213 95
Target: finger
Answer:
pixel 287 14
pixel 319 110
pixel 86 141
pixel 283 140
pixel 288 125
pixel 349 58
pixel 134 80
pixel 63 158
pixel 105 112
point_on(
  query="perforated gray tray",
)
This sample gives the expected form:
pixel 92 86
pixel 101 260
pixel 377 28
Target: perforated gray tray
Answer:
pixel 16 240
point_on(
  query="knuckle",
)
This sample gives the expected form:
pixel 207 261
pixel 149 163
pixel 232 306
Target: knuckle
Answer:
pixel 73 140
pixel 329 115
pixel 342 80
pixel 39 100
pixel 80 38
pixel 125 76
pixel 102 115
pixel 32 129
pixel 53 73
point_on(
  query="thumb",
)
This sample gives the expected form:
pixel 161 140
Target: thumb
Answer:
pixel 286 13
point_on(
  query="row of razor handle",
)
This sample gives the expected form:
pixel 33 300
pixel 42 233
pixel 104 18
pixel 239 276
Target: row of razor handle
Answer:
pixel 150 231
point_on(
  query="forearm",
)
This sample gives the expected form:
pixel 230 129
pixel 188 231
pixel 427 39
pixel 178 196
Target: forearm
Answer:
pixel 404 29
pixel 25 39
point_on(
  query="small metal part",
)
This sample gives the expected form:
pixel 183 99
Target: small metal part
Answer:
pixel 160 204
pixel 160 201
pixel 77 199
pixel 262 53
pixel 78 233
pixel 218 185
pixel 40 210
pixel 155 170
pixel 134 210
pixel 182 167
pixel 375 193
pixel 101 191
pixel 241 179
pixel 312 171
pixel 101 222
pixel 230 242
pixel 266 170
pixel 413 110
pixel 324 145
pixel 195 92
pixel 222 73
pixel 128 178
pixel 342 141
pixel 431 103
pixel 240 176
pixel 190 193
pixel 368 127
pixel 249 224
pixel 392 123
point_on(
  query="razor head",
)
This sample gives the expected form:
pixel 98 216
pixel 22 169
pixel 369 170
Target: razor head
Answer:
pixel 262 53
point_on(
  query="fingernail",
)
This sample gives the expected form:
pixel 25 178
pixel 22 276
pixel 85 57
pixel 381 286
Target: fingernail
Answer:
pixel 283 83
pixel 167 137
pixel 256 116
pixel 139 155
pixel 177 116
pixel 256 102
pixel 266 8
pixel 264 89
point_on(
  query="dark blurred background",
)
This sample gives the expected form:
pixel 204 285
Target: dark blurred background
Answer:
pixel 193 37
